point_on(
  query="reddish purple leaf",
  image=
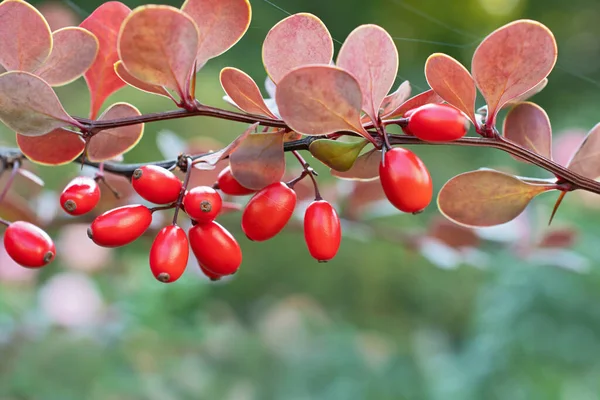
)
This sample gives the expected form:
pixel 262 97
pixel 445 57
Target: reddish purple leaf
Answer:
pixel 210 160
pixel 297 40
pixel 452 82
pixel 416 101
pixel 586 160
pixel 528 125
pixel 28 105
pixel 394 100
pixel 558 238
pixel 111 143
pixel 512 60
pixel 259 160
pixel 73 52
pixel 453 235
pixel 25 37
pixel 244 92
pixel 158 45
pixel 55 148
pixel 369 53
pixel 365 168
pixel 136 83
pixel 221 23
pixel 101 79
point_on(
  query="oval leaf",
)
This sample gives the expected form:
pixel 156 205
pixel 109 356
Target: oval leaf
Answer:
pixel 337 155
pixel 512 60
pixel 244 92
pixel 73 53
pixel 369 53
pixel 221 23
pixel 55 148
pixel 396 99
pixel 452 82
pixel 259 160
pixel 28 105
pixel 485 198
pixel 210 160
pixel 110 143
pixel 365 168
pixel 136 83
pixel 586 160
pixel 297 40
pixel 158 45
pixel 25 37
pixel 320 99
pixel 416 101
pixel 528 125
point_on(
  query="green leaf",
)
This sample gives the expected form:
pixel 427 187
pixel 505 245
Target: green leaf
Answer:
pixel 337 155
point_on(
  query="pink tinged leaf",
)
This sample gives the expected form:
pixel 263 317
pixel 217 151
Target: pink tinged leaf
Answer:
pixel 565 144
pixel 28 105
pixel 25 173
pixel 528 125
pixel 244 92
pixel 297 40
pixel 136 83
pixel 221 24
pixel 486 198
pixel 369 53
pixel 259 160
pixel 512 60
pixel 55 148
pixel 586 160
pixel 365 168
pixel 111 143
pixel 25 37
pixel 320 99
pixel 452 82
pixel 419 100
pixel 210 160
pixel 158 45
pixel 73 53
pixel 394 100
pixel 528 94
pixel 101 78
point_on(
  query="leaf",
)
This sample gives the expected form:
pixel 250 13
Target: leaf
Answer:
pixel 243 91
pixel 297 40
pixel 136 83
pixel 512 60
pixel 558 238
pixel 528 125
pixel 158 45
pixel 453 235
pixel 586 160
pixel 320 99
pixel 25 37
pixel 25 173
pixel 111 143
pixel 337 155
pixel 221 24
pixel 392 101
pixel 369 53
pixel 486 198
pixel 55 148
pixel 528 94
pixel 73 53
pixel 28 105
pixel 210 160
pixel 101 79
pixel 419 100
pixel 259 160
pixel 365 168
pixel 452 82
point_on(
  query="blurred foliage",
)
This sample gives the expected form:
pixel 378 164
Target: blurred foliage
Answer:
pixel 380 321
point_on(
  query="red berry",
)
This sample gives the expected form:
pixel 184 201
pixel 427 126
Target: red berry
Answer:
pixel 209 274
pixel 202 203
pixel 268 211
pixel 438 123
pixel 229 185
pixel 169 254
pixel 215 248
pixel 120 226
pixel 322 231
pixel 28 245
pixel 80 196
pixel 405 180
pixel 156 184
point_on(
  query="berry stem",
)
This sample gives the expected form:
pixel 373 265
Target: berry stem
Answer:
pixel 308 171
pixel 4 222
pixel 186 181
pixel 100 178
pixel 15 169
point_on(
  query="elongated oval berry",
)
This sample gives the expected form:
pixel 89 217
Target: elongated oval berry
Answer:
pixel 120 226
pixel 229 185
pixel 202 203
pixel 28 245
pixel 80 196
pixel 156 184
pixel 209 274
pixel 438 123
pixel 322 231
pixel 405 180
pixel 215 248
pixel 268 211
pixel 169 254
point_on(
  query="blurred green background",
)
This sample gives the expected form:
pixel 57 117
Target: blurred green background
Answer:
pixel 397 315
